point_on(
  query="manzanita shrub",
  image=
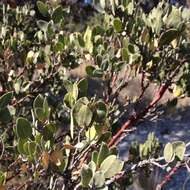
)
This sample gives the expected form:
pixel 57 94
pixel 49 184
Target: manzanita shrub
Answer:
pixel 54 134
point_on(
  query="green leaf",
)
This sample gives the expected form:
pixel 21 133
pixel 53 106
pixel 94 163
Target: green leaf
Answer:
pixel 39 112
pixel 111 166
pixel 101 111
pixel 103 153
pixel 68 85
pixel 78 105
pixel 82 87
pixel 59 46
pixel 5 99
pixel 41 108
pixel 23 128
pixel 81 41
pixel 125 54
pixel 25 147
pixel 43 8
pixel 99 60
pixel 88 40
pixel 38 102
pixel 91 133
pixel 105 137
pixel 92 166
pixel 90 70
pixel 86 175
pixel 167 37
pixel 2 178
pixel 49 131
pixel 20 146
pixel 30 58
pixel 169 152
pixel 5 115
pixel 131 48
pixel 105 65
pixel 50 32
pixel 84 116
pixel 57 14
pixel 46 109
pixel 31 148
pixel 98 73
pixel 75 91
pixel 179 149
pixel 117 25
pixel 95 156
pixel 99 179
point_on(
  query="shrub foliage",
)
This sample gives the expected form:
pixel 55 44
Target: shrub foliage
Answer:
pixel 54 134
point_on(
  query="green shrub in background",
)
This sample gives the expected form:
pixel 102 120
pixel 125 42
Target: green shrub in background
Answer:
pixel 53 134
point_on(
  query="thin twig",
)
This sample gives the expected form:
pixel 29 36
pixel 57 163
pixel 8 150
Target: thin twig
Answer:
pixel 168 176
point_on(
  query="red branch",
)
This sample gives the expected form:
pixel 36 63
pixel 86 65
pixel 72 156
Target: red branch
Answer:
pixel 168 176
pixel 134 118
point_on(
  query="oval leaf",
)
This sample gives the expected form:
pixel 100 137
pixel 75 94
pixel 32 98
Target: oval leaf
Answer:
pixel 84 116
pixel 168 37
pixel 168 152
pixel 38 102
pixel 179 149
pixel 104 152
pixel 23 128
pixel 99 179
pixel 5 99
pixel 111 166
pixel 117 25
pixel 86 175
pixel 57 14
pixel 42 7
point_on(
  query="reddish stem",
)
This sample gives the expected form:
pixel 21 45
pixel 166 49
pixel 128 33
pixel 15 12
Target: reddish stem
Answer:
pixel 134 118
pixel 168 176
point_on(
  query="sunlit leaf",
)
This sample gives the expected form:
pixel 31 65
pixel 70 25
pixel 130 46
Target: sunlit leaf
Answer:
pixel 99 179
pixel 169 152
pixel 91 133
pixel 179 149
pixel 117 25
pixel 111 166
pixel 84 116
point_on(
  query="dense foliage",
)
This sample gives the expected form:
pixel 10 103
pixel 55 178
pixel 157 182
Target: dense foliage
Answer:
pixel 56 134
